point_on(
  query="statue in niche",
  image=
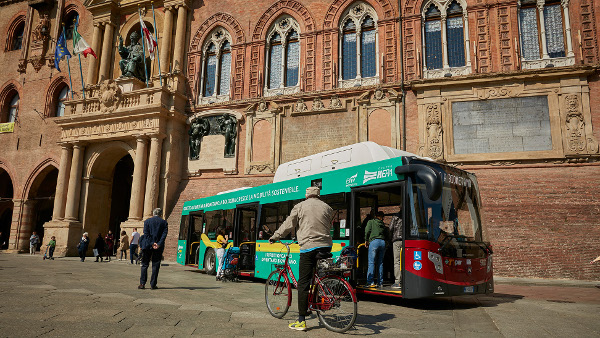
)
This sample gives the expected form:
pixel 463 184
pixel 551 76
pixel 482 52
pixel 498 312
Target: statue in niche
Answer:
pixel 200 127
pixel 41 32
pixel 132 57
pixel 335 102
pixel 301 106
pixel 228 126
pixel 318 104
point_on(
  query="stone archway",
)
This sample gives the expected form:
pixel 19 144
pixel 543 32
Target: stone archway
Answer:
pixel 107 188
pixel 39 204
pixel 6 207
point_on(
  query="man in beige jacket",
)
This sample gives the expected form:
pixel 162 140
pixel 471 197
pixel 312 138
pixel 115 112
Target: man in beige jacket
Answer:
pixel 312 219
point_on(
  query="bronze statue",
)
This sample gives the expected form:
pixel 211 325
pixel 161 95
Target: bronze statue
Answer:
pixel 132 58
pixel 200 128
pixel 228 125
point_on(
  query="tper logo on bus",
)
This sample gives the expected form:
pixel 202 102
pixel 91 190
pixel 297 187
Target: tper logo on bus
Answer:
pixel 380 173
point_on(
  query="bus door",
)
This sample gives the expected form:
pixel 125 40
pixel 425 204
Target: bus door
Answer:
pixel 366 202
pixel 245 236
pixel 196 221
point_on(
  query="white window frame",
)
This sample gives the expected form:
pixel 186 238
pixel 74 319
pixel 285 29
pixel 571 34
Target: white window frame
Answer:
pixel 282 26
pixel 357 13
pixel 546 60
pixel 218 37
pixel 446 69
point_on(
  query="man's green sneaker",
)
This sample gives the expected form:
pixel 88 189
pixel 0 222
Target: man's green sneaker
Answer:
pixel 300 326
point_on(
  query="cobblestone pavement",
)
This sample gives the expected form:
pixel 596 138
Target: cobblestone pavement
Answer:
pixel 66 297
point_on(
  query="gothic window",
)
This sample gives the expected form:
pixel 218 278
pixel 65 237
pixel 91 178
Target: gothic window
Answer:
pixel 445 39
pixel 544 31
pixel 70 20
pixel 358 46
pixel 283 57
pixel 15 34
pixel 433 38
pixel 13 108
pixel 62 97
pixel 216 67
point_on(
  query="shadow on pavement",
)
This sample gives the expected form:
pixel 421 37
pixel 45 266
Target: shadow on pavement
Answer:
pixel 446 303
pixel 189 288
pixel 369 324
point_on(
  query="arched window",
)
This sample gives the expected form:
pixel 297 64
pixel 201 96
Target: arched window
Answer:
pixel 216 68
pixel 358 46
pixel 283 57
pixel 70 20
pixel 13 108
pixel 62 97
pixel 544 28
pixel 15 36
pixel 445 39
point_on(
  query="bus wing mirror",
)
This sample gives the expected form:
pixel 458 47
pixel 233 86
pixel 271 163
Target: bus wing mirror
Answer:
pixel 427 174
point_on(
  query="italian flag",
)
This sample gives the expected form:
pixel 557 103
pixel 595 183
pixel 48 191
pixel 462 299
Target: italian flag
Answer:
pixel 149 39
pixel 80 46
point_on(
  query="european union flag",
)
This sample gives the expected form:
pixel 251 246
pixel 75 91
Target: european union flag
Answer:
pixel 61 50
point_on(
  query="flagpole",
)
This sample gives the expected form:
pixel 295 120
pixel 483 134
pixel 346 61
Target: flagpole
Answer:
pixel 75 22
pixel 157 49
pixel 68 67
pixel 143 47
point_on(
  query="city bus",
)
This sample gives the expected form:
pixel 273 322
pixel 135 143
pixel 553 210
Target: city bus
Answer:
pixel 445 250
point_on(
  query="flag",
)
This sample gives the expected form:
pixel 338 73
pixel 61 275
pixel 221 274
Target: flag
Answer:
pixel 61 50
pixel 80 46
pixel 149 39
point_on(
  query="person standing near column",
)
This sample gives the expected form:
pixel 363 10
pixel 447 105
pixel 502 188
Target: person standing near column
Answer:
pixel 33 242
pixel 153 245
pixel 83 246
pixel 133 246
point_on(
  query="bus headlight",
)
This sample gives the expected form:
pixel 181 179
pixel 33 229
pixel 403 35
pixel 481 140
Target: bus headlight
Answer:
pixel 436 259
pixel 489 264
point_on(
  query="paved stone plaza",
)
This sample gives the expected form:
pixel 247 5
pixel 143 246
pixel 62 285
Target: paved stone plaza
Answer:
pixel 65 297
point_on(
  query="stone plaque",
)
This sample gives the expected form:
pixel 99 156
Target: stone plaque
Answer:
pixel 501 125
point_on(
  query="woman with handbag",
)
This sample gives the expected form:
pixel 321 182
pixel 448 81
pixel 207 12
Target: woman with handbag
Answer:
pixel 222 240
pixel 124 245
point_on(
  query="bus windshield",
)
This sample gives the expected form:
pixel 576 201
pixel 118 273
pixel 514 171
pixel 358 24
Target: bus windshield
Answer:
pixel 455 214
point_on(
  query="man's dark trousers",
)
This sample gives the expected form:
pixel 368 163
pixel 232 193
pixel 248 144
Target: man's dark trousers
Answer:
pixel 147 255
pixel 308 262
pixel 133 252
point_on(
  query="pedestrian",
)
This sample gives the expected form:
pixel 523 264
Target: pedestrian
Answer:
pixel 51 247
pixel 99 247
pixel 153 245
pixel 33 242
pixel 109 240
pixel 375 242
pixel 124 244
pixel 312 217
pixel 133 246
pixel 222 240
pixel 396 234
pixel 83 246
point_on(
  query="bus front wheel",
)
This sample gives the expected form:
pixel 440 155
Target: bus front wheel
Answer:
pixel 210 262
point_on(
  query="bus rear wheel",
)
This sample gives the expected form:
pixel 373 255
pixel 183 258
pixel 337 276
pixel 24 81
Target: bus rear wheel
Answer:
pixel 210 262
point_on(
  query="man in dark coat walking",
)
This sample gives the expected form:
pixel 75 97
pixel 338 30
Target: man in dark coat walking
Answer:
pixel 153 245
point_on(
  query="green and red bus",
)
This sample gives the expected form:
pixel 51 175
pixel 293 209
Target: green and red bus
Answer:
pixel 445 251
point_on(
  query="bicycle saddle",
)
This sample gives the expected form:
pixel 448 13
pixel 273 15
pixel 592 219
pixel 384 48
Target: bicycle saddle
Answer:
pixel 324 255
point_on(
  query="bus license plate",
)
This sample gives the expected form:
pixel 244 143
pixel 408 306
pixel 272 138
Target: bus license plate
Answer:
pixel 469 289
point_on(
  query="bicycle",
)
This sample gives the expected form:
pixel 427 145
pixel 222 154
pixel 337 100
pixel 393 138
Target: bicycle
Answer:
pixel 331 296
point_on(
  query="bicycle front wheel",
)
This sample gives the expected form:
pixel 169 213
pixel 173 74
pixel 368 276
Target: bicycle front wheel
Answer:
pixel 337 302
pixel 278 293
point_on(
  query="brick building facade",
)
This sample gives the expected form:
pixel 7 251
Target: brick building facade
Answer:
pixel 508 90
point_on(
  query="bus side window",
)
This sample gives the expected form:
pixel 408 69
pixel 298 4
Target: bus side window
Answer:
pixel 184 227
pixel 272 216
pixel 213 220
pixel 340 227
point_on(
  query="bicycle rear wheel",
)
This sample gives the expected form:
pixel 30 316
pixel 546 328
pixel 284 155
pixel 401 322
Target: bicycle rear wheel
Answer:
pixel 278 293
pixel 337 302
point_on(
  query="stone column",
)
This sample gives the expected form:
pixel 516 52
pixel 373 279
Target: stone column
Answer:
pixel 92 76
pixel 166 42
pixel 74 190
pixel 13 239
pixel 152 183
pixel 540 8
pixel 26 226
pixel 136 203
pixel 107 46
pixel 565 6
pixel 180 38
pixel 61 184
pixel 444 43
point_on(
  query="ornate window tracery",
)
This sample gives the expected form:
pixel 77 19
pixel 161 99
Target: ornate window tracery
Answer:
pixel 14 39
pixel 13 108
pixel 358 47
pixel 545 33
pixel 283 57
pixel 70 20
pixel 216 67
pixel 61 98
pixel 445 39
